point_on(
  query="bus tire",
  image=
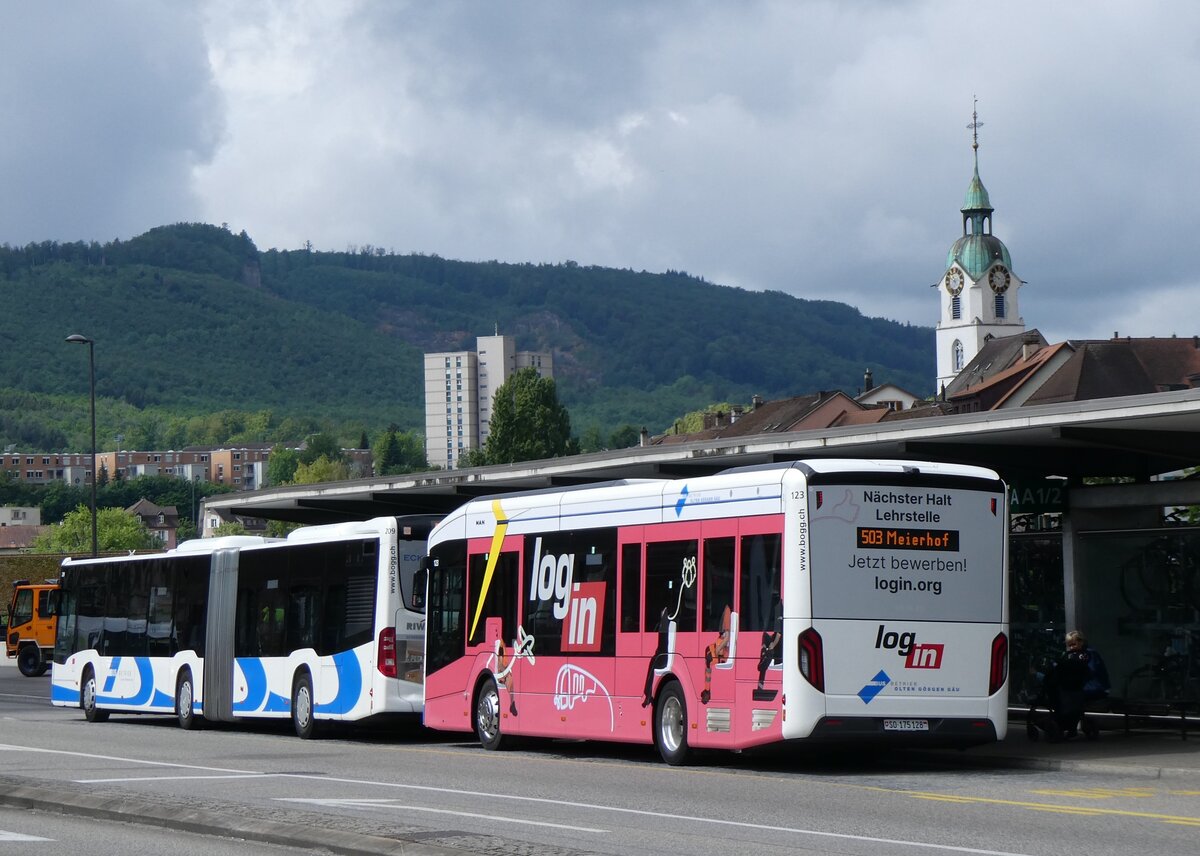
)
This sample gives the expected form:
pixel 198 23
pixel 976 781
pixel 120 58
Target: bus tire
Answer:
pixel 670 725
pixel 487 716
pixel 185 695
pixel 87 698
pixel 303 714
pixel 29 661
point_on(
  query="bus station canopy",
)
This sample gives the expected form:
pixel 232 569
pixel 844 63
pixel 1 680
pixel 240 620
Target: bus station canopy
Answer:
pixel 1135 438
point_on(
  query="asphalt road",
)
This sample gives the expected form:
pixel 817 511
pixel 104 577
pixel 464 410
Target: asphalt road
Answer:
pixel 417 792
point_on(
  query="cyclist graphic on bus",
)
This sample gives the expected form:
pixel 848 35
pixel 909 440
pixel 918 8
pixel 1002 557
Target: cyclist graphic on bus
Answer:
pixel 716 652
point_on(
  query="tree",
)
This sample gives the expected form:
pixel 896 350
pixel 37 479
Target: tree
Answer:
pixel 281 465
pixel 399 452
pixel 321 470
pixel 281 528
pixel 116 529
pixel 473 458
pixel 230 528
pixel 528 422
pixel 592 440
pixel 320 445
pixel 625 437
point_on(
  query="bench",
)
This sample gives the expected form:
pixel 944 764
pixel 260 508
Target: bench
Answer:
pixel 1144 708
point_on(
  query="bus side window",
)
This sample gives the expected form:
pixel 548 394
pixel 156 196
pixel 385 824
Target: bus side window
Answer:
pixel 671 585
pixel 444 631
pixel 596 549
pixel 760 581
pixel 190 579
pixel 500 599
pixel 631 586
pixel 136 610
pixel 303 619
pixel 718 583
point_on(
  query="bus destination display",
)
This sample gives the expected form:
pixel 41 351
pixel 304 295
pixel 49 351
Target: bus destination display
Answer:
pixel 893 538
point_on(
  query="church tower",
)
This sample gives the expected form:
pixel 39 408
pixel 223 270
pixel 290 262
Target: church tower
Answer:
pixel 978 291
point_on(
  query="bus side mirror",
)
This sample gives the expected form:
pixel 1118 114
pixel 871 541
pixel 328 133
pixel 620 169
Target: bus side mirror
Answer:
pixel 52 604
pixel 416 598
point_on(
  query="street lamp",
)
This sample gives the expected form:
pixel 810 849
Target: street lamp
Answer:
pixel 77 339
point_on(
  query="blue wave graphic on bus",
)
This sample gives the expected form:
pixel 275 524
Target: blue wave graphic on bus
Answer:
pixel 350 682
pixel 145 687
pixel 65 694
pixel 258 698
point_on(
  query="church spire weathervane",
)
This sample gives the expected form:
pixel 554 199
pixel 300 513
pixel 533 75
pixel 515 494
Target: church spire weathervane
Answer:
pixel 974 129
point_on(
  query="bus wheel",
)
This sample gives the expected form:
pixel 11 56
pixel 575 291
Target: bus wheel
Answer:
pixel 670 725
pixel 185 710
pixel 29 661
pixel 487 716
pixel 303 718
pixel 87 698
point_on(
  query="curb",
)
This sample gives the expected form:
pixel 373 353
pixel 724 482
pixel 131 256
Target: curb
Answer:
pixel 1056 765
pixel 212 823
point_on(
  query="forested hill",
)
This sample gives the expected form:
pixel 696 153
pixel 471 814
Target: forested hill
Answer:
pixel 191 320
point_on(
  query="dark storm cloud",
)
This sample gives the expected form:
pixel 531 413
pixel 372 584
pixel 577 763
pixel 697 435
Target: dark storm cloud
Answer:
pixel 107 109
pixel 816 148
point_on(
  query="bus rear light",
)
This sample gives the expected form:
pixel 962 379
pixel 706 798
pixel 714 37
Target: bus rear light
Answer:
pixel 387 653
pixel 812 660
pixel 999 670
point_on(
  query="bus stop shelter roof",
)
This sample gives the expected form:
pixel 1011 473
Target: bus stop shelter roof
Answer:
pixel 1134 437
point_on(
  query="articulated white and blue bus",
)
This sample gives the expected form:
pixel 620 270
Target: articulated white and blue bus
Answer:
pixel 323 625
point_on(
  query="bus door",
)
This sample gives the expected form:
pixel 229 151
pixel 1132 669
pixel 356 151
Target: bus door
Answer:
pixel 631 660
pixel 493 589
pixel 759 661
pixel 669 616
pixel 713 670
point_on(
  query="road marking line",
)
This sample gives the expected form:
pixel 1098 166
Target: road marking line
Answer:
pixel 374 803
pixel 171 778
pixel 19 836
pixel 8 747
pixel 690 819
pixel 1097 793
pixel 1035 806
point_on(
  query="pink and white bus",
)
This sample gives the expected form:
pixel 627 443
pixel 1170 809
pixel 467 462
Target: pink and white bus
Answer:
pixel 811 600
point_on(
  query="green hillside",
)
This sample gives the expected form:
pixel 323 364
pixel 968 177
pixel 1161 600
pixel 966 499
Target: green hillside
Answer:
pixel 200 333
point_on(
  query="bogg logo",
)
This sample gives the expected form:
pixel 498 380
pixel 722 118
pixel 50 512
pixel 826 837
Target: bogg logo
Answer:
pixel 916 655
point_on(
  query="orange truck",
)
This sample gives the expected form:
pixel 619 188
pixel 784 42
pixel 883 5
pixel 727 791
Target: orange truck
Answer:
pixel 32 618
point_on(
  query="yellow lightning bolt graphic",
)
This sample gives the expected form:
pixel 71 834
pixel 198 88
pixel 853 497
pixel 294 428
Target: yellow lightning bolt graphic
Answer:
pixel 493 557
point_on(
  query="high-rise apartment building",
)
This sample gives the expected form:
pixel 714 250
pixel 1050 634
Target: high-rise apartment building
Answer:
pixel 459 386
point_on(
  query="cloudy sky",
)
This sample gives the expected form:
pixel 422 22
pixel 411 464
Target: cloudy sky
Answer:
pixel 817 148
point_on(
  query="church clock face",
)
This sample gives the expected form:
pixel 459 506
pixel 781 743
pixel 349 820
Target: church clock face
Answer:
pixel 954 281
pixel 999 279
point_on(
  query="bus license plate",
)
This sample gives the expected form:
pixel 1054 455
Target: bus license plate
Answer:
pixel 906 725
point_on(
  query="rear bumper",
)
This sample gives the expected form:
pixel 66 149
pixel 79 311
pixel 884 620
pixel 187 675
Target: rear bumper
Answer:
pixel 954 731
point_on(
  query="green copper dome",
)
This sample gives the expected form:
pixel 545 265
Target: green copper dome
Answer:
pixel 976 253
pixel 977 195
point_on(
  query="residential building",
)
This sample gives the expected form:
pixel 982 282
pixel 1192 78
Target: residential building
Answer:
pixel 15 515
pixel 459 387
pixel 43 467
pixel 162 521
